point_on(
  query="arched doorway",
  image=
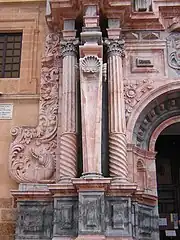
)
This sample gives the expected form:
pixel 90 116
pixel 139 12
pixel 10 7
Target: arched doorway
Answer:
pixel 157 128
pixel 167 147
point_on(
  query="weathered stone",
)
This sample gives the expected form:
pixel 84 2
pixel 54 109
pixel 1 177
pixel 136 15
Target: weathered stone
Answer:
pixel 6 202
pixel 8 214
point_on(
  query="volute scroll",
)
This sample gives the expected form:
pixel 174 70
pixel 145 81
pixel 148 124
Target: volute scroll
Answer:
pixel 32 152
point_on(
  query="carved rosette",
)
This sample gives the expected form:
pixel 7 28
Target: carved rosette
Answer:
pixel 32 152
pixel 67 164
pixel 115 47
pixel 133 93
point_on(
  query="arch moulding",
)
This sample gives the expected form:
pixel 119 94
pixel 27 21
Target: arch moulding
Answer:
pixel 152 95
pixel 159 129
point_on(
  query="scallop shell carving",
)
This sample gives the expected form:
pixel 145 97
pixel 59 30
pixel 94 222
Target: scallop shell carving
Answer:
pixel 90 64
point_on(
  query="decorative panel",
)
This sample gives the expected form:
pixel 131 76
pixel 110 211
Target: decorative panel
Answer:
pixel 118 212
pixel 91 212
pixel 34 220
pixel 173 54
pixel 65 216
pixel 145 222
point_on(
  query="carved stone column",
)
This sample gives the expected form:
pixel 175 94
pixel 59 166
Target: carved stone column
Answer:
pixel 117 124
pixel 68 140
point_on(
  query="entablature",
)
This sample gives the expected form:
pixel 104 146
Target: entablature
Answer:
pixel 136 14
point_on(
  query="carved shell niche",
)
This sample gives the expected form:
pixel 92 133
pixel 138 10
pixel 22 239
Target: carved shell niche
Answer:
pixel 90 64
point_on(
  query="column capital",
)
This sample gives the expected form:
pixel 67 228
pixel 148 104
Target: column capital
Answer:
pixel 115 47
pixel 69 47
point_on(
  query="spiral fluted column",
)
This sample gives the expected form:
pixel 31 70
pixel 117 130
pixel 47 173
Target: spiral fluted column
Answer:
pixel 68 136
pixel 117 140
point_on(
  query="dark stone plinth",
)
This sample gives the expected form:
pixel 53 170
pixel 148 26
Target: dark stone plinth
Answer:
pixel 34 220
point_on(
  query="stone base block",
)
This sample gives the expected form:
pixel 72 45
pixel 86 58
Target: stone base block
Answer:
pixel 92 215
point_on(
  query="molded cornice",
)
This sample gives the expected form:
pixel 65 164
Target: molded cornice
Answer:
pixel 21 1
pixel 121 9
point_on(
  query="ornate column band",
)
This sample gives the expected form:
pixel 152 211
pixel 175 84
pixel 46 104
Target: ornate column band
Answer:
pixel 117 124
pixel 68 140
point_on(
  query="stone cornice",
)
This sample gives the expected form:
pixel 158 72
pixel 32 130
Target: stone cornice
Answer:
pixel 21 1
pixel 115 9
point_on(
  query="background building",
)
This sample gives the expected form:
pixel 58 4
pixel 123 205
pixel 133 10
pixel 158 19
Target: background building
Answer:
pixel 89 112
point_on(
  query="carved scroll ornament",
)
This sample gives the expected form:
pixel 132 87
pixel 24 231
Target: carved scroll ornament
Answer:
pixel 134 93
pixel 173 42
pixel 32 152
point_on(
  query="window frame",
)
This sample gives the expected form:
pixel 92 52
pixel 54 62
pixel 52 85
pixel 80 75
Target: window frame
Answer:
pixel 4 54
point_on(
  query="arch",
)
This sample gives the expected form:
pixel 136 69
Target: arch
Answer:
pixel 141 105
pixel 160 109
pixel 140 165
pixel 159 129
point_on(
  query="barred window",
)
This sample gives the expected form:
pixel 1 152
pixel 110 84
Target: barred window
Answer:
pixel 10 54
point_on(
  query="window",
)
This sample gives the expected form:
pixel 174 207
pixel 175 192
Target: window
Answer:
pixel 10 55
pixel 143 5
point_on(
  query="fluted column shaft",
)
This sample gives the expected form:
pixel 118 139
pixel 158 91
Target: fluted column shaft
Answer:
pixel 68 139
pixel 117 125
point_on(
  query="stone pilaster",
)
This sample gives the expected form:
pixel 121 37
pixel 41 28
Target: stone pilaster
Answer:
pixel 68 130
pixel 117 125
pixel 91 53
pixel 91 108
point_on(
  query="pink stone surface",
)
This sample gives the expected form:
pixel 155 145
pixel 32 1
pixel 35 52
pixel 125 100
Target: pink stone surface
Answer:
pixel 91 109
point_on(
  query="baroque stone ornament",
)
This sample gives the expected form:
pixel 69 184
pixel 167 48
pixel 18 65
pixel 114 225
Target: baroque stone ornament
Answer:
pixel 173 47
pixel 134 92
pixel 90 64
pixel 153 115
pixel 69 47
pixel 32 152
pixel 115 47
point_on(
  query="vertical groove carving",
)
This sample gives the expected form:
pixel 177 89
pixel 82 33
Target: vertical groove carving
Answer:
pixel 117 124
pixel 118 155
pixel 68 140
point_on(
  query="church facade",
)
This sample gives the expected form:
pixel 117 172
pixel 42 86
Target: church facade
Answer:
pixel 90 112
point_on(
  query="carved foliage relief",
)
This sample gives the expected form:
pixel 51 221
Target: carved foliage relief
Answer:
pixel 173 48
pixel 32 152
pixel 134 92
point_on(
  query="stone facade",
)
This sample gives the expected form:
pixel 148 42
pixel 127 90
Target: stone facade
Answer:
pixel 99 81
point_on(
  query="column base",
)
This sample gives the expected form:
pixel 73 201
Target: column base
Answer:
pixel 64 180
pixel 91 237
pixel 91 175
pixel 62 238
pixel 120 180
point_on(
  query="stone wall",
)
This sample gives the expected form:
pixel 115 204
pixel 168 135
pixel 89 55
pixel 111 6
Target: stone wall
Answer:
pixel 7 218
pixel 28 18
